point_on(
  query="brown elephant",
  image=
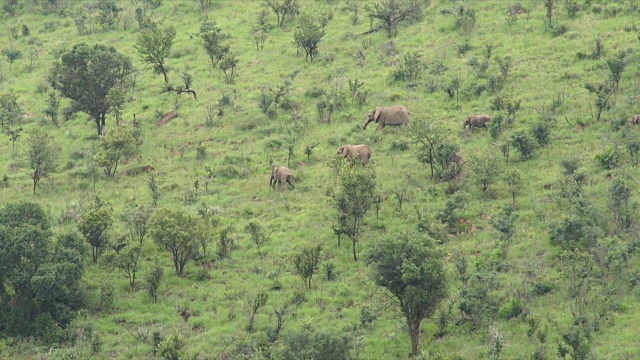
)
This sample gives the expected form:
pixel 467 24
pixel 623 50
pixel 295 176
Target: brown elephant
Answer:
pixel 477 121
pixel 282 175
pixel 392 115
pixel 636 119
pixel 349 151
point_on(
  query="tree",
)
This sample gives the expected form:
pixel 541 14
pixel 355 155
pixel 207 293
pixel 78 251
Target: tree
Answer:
pixel 177 232
pixel 616 66
pixel 505 225
pixel 316 345
pixel 118 146
pixel 42 155
pixel 86 74
pixel 283 8
pixel 514 181
pixel 53 103
pixel 40 274
pixel 258 235
pixel 212 38
pixel 126 260
pixel 410 267
pixel 152 281
pixel 14 135
pixel 12 55
pixel 389 13
pixel 93 224
pixel 308 35
pixel 10 110
pixel 356 195
pixel 256 302
pixel 428 135
pixel 603 92
pixel 486 167
pixel 154 45
pixel 228 65
pixel 136 218
pixel 307 261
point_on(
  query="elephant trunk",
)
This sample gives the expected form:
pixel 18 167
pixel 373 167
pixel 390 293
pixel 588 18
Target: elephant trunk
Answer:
pixel 367 123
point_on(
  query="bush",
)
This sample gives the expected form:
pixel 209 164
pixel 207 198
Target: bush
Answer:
pixel 541 132
pixel 524 143
pixel 512 309
pixel 609 158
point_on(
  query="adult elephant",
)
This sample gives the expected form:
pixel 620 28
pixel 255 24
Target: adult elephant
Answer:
pixel 282 175
pixel 392 115
pixel 477 121
pixel 636 119
pixel 351 151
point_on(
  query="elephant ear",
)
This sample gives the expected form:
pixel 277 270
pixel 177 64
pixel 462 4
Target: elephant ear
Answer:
pixel 376 114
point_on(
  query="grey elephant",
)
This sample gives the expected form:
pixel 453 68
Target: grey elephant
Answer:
pixel 282 175
pixel 392 115
pixel 351 151
pixel 477 121
pixel 636 119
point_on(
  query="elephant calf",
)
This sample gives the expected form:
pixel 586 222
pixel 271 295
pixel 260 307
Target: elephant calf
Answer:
pixel 349 151
pixel 392 115
pixel 636 120
pixel 282 175
pixel 477 121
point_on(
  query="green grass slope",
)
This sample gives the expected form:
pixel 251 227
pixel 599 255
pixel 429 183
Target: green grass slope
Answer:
pixel 241 145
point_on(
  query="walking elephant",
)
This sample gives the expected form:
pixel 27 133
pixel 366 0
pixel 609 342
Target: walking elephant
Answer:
pixel 350 151
pixel 477 121
pixel 392 115
pixel 282 175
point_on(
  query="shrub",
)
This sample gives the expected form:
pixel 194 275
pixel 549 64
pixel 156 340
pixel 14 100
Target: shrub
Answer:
pixel 609 158
pixel 541 132
pixel 524 143
pixel 512 309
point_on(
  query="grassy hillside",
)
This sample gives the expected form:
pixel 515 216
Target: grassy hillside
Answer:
pixel 551 63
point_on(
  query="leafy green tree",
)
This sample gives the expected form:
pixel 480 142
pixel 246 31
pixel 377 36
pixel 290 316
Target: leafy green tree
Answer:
pixel 449 215
pixel 10 110
pixel 428 135
pixel 620 195
pixel 173 347
pixel 127 260
pixel 283 8
pixel 515 183
pixel 136 218
pixel 42 155
pixel 117 147
pixel 486 168
pixel 317 345
pixel 154 45
pixel 257 233
pixel 256 302
pixel 388 14
pixel 307 261
pixel 108 13
pixel 40 277
pixel 176 231
pixel 603 92
pixel 355 197
pixel 93 224
pixel 152 281
pixel 12 55
pixel 228 65
pixel 308 35
pixel 212 39
pixel 53 104
pixel 524 143
pixel 617 66
pixel 410 267
pixel 86 74
pixel 505 225
pixel 152 183
pixel 411 68
pixel 14 135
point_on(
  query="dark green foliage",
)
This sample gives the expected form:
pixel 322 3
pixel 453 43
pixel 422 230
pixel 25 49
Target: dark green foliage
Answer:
pixel 87 74
pixel 14 135
pixel 212 39
pixel 10 110
pixel 449 215
pixel 465 19
pixel 486 167
pixel 410 68
pixel 53 104
pixel 125 259
pixel 176 231
pixel 609 158
pixel 154 45
pixel 225 242
pixel 257 233
pixel 429 136
pixel 255 303
pixel 116 147
pixel 620 195
pixel 409 266
pixel 93 224
pixel 152 281
pixel 283 9
pixel 152 184
pixel 524 143
pixel 173 347
pixel 12 55
pixel 616 67
pixel 496 126
pixel 108 13
pixel 578 338
pixel 476 300
pixel 505 225
pixel 388 14
pixel 308 35
pixel 42 155
pixel 603 92
pixel 39 277
pixel 307 261
pixel 313 344
pixel 541 132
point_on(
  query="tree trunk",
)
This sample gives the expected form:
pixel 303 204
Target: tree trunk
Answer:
pixel 414 332
pixel 164 73
pixel 355 254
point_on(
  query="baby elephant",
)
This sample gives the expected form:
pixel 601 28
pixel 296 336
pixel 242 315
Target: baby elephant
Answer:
pixel 477 121
pixel 349 151
pixel 636 120
pixel 282 175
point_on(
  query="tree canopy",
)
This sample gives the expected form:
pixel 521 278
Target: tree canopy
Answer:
pixel 87 74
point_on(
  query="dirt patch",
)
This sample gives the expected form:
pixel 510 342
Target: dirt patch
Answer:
pixel 168 117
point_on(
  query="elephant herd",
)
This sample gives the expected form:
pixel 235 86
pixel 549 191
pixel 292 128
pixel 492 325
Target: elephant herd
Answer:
pixel 383 116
